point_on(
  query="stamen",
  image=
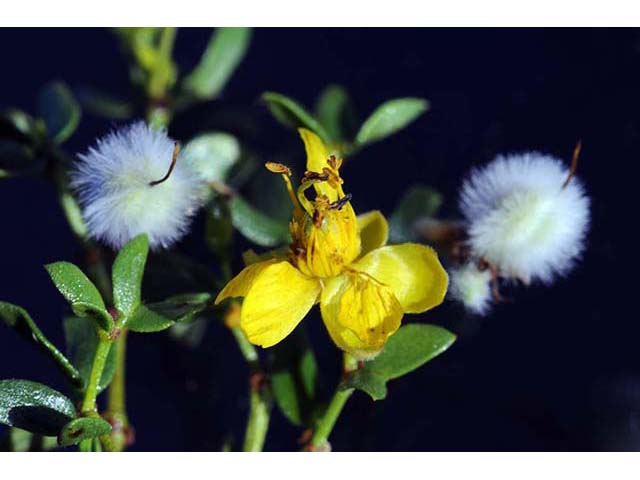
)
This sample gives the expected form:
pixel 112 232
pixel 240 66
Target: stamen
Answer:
pixel 285 171
pixel 574 163
pixel 338 204
pixel 176 150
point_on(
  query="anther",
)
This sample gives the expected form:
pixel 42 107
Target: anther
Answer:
pixel 338 204
pixel 274 167
pixel 176 150
pixel 574 163
pixel 311 176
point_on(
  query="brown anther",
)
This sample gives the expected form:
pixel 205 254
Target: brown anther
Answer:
pixel 176 151
pixel 310 176
pixel 318 218
pixel 574 163
pixel 334 162
pixel 341 202
pixel 275 167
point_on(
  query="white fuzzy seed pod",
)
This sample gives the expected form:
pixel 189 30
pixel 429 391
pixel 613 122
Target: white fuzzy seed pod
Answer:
pixel 112 181
pixel 523 218
pixel 471 287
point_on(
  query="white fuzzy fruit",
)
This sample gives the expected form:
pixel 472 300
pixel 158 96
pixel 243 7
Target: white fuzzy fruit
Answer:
pixel 471 287
pixel 522 217
pixel 112 182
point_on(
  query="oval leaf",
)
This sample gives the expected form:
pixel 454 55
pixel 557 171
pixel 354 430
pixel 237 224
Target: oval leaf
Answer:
pixel 409 348
pixel 59 110
pixel 83 429
pixel 289 113
pixel 225 51
pixel 337 114
pixel 212 155
pixel 390 117
pixel 34 407
pixel 256 226
pixel 148 321
pixel 17 318
pixel 80 292
pixel 181 308
pixel 128 270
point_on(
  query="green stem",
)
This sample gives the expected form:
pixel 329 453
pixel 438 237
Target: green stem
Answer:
pixel 116 406
pixel 325 425
pixel 259 396
pixel 258 422
pixel 99 360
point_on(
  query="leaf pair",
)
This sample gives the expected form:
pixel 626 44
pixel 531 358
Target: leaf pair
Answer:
pixel 42 410
pixel 335 117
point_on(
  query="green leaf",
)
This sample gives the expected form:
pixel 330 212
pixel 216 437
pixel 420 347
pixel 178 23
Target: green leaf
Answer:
pixel 59 110
pixel 294 378
pixel 128 270
pixel 337 114
pixel 409 348
pixel 256 226
pixel 145 320
pixel 17 318
pixel 226 49
pixel 83 428
pixel 181 308
pixel 417 203
pixel 82 341
pixel 289 113
pixel 80 292
pixel 212 155
pixel 34 407
pixel 104 104
pixel 390 117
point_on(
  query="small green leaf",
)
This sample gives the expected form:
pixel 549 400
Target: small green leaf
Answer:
pixel 256 226
pixel 144 320
pixel 181 308
pixel 34 407
pixel 82 341
pixel 212 155
pixel 291 114
pixel 128 270
pixel 83 428
pixel 337 114
pixel 17 318
pixel 418 202
pixel 59 110
pixel 390 117
pixel 294 378
pixel 104 104
pixel 223 54
pixel 367 381
pixel 409 348
pixel 80 292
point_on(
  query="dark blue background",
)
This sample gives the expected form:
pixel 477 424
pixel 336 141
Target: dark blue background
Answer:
pixel 557 370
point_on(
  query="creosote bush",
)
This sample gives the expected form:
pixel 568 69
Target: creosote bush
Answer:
pixel 524 219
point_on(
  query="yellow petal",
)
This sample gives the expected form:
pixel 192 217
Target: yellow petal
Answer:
pixel 317 157
pixel 279 297
pixel 412 271
pixel 374 231
pixel 239 286
pixel 359 313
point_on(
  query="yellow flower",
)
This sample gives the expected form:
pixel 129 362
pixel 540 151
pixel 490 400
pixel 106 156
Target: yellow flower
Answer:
pixel 339 260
